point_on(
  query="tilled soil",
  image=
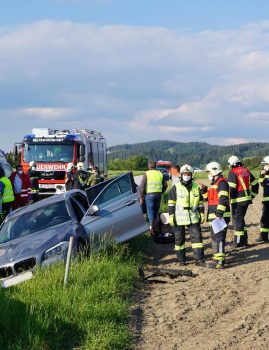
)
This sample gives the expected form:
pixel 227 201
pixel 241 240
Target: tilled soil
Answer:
pixel 217 309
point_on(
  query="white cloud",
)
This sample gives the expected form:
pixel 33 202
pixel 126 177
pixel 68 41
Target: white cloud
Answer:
pixel 136 83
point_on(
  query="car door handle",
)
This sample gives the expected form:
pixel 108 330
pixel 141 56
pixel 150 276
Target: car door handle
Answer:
pixel 131 202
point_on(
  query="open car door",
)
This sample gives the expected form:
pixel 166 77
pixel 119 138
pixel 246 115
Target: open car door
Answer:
pixel 118 215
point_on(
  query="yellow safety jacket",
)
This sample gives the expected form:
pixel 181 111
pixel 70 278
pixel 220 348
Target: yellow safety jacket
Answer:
pixel 154 181
pixel 8 195
pixel 188 204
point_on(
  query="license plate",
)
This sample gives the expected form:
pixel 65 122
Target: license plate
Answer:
pixel 46 186
pixel 12 281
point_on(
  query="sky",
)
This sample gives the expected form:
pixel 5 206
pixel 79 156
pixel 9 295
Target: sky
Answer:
pixel 137 71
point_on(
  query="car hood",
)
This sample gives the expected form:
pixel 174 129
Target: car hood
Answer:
pixel 34 244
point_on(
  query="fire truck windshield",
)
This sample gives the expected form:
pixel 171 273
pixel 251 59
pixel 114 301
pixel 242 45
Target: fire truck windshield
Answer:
pixel 48 152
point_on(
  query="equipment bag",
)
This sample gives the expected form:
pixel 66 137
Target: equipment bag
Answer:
pixel 165 233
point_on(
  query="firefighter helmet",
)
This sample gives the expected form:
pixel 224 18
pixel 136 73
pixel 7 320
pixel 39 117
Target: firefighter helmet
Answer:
pixel 265 160
pixel 69 166
pixel 214 168
pixel 80 166
pixel 233 160
pixel 186 168
pixel 32 163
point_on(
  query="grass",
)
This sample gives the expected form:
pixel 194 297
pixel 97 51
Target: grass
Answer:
pixel 91 313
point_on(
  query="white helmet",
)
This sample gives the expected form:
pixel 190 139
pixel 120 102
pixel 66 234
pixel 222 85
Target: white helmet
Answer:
pixel 69 166
pixel 80 166
pixel 265 160
pixel 186 168
pixel 233 160
pixel 214 168
pixel 31 163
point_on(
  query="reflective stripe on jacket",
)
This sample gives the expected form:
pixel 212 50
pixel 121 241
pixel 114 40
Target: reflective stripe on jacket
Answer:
pixel 218 199
pixel 243 185
pixel 8 195
pixel 264 181
pixel 188 203
pixel 154 181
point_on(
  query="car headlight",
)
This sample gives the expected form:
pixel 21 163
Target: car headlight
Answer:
pixel 56 251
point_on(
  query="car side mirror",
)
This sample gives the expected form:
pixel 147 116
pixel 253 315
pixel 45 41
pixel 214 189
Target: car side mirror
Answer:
pixel 93 209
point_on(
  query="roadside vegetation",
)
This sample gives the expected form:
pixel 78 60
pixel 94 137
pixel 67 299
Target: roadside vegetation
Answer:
pixel 91 313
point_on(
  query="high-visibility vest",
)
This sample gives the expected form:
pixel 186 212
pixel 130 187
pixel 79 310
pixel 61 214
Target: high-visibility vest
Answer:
pixel 187 204
pixel 242 178
pixel 213 197
pixel 8 195
pixel 154 181
pixel 213 201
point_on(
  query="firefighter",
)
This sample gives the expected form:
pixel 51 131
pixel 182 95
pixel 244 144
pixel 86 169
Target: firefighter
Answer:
pixel 94 178
pixel 186 208
pixel 6 193
pixel 150 191
pixel 69 180
pixel 80 177
pixel 34 181
pixel 21 185
pixel 264 181
pixel 217 196
pixel 243 188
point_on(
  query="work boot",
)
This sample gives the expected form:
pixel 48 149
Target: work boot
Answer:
pixel 260 239
pixel 215 265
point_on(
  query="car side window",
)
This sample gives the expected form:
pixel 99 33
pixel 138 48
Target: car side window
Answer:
pixel 124 184
pixel 114 192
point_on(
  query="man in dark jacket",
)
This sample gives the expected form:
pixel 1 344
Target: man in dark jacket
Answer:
pixel 217 196
pixel 264 182
pixel 243 188
pixel 34 177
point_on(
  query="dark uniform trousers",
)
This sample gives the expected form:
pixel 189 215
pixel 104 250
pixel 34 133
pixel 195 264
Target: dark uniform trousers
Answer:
pixel 196 239
pixel 239 225
pixel 218 245
pixel 265 221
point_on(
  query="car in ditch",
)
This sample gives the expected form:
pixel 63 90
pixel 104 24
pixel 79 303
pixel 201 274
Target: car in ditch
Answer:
pixel 38 235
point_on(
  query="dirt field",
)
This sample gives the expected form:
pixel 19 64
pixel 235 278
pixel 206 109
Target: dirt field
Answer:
pixel 217 309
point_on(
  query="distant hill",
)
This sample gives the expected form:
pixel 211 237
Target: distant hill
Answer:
pixel 196 153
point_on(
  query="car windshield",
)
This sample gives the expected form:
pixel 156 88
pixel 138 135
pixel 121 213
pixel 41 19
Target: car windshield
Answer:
pixel 33 221
pixel 48 152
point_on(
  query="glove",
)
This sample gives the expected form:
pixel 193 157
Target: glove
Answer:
pixel 172 220
pixel 202 218
pixel 203 189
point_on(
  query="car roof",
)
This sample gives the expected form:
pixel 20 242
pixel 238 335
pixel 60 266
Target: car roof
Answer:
pixel 44 202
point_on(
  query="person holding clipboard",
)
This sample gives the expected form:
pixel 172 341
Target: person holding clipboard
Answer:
pixel 219 214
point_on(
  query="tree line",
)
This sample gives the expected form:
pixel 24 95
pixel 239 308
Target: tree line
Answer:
pixel 198 154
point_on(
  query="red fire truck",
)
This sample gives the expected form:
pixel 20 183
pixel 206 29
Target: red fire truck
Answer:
pixel 52 150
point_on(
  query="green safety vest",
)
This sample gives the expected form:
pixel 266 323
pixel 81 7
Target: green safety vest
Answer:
pixel 154 181
pixel 187 204
pixel 8 195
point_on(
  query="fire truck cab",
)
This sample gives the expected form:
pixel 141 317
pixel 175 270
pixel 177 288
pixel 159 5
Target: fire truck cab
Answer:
pixel 52 150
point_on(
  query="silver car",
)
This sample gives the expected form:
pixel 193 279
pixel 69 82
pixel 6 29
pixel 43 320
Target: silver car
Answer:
pixel 39 234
